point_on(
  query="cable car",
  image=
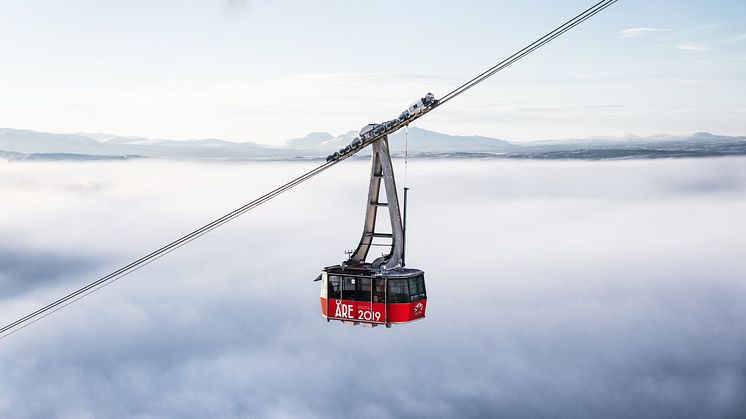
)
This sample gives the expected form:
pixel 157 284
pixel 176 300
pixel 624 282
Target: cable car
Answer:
pixel 373 297
pixel 384 291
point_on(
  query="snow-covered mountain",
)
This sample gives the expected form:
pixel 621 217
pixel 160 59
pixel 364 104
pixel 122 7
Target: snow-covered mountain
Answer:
pixel 32 142
pixel 419 141
pixel 24 145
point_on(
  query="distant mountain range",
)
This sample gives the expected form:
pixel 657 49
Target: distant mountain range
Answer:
pixel 31 145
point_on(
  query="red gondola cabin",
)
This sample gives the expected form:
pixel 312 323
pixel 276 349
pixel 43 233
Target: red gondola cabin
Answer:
pixel 373 297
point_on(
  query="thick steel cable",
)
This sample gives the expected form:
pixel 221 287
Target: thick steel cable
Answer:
pixel 63 302
pixel 139 263
pixel 532 46
pixel 580 18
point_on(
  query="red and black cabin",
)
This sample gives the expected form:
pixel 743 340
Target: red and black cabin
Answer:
pixel 371 297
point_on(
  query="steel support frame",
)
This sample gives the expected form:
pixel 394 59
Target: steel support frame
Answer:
pixel 381 169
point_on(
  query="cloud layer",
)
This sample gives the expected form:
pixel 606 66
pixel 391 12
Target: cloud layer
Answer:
pixel 638 32
pixel 556 289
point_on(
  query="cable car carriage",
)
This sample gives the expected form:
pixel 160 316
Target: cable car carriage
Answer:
pixel 384 291
pixel 366 296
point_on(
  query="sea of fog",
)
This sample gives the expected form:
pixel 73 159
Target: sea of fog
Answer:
pixel 562 289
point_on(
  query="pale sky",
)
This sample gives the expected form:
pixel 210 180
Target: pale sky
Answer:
pixel 267 71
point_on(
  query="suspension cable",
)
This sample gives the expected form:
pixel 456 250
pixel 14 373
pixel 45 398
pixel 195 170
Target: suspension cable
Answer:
pixel 580 18
pixel 70 298
pixel 139 263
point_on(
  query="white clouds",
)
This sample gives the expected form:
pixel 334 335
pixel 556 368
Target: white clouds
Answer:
pixel 710 26
pixel 645 32
pixel 693 47
pixel 683 35
pixel 639 32
pixel 736 38
pixel 575 278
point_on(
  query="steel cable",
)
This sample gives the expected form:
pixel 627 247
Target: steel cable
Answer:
pixel 121 272
pixel 70 298
pixel 580 18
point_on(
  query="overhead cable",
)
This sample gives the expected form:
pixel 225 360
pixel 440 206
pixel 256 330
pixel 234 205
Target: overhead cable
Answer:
pixel 124 271
pixel 580 18
pixel 139 263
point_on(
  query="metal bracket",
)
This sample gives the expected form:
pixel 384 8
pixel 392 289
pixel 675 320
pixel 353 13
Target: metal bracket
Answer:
pixel 381 169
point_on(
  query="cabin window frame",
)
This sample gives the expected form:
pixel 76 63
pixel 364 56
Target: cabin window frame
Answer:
pixel 396 293
pixel 416 294
pixel 348 288
pixel 333 292
pixel 360 292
